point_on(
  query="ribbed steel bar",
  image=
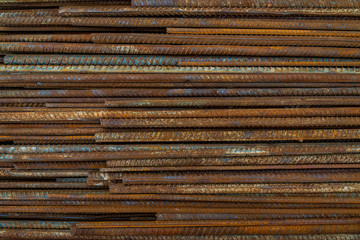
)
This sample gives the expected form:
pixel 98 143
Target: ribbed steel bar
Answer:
pixel 227 135
pixel 126 209
pixel 185 78
pixel 18 224
pixel 229 216
pixel 30 13
pixel 172 69
pixel 236 188
pixel 156 22
pixel 251 4
pixel 49 139
pixel 61 165
pixel 283 176
pixel 244 31
pixel 237 161
pixel 230 102
pixel 108 60
pixel 42 185
pixel 158 204
pixel 12 173
pixel 121 11
pixel 143 151
pixel 47 3
pixel 253 40
pixel 76 30
pixel 215 227
pixel 201 113
pixel 149 49
pixel 81 195
pixel 47 131
pixel 82 38
pixel 39 234
pixel 116 173
pixel 184 92
pixel 326 122
pixel 91 85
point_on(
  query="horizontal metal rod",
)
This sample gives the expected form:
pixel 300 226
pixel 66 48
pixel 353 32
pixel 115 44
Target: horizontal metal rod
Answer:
pixel 149 49
pixel 244 31
pixel 181 92
pixel 326 122
pixel 268 161
pixel 182 39
pixel 208 102
pixel 235 188
pixel 69 115
pixel 248 4
pixel 143 60
pixel 185 78
pixel 273 176
pixel 248 23
pixel 145 151
pixel 121 11
pixel 226 135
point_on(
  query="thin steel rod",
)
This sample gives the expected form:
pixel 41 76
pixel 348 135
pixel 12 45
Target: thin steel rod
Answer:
pixel 121 11
pixel 139 60
pixel 141 38
pixel 226 135
pixel 244 31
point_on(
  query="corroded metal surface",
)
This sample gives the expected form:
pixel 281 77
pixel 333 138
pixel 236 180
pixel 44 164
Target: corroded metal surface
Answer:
pixel 179 120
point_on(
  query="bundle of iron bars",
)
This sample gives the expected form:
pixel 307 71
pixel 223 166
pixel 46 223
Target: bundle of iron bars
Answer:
pixel 180 119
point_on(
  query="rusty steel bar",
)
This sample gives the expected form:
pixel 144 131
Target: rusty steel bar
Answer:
pixel 185 78
pixel 149 49
pixel 236 188
pixel 229 216
pixel 61 165
pixel 82 38
pixel 67 115
pixel 139 60
pixel 226 135
pixel 116 172
pixel 253 40
pixel 236 161
pixel 81 195
pixel 12 173
pixel 18 131
pixel 42 184
pixel 91 85
pixel 277 176
pixel 213 227
pixel 248 4
pixel 76 30
pixel 103 152
pixel 18 224
pixel 204 92
pixel 326 122
pixel 172 69
pixel 49 139
pixel 244 31
pixel 115 209
pixel 47 3
pixel 142 151
pixel 158 204
pixel 40 234
pixel 30 12
pixel 218 102
pixel 121 11
pixel 247 23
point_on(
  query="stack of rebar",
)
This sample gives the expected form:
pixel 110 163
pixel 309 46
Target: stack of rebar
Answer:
pixel 180 119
